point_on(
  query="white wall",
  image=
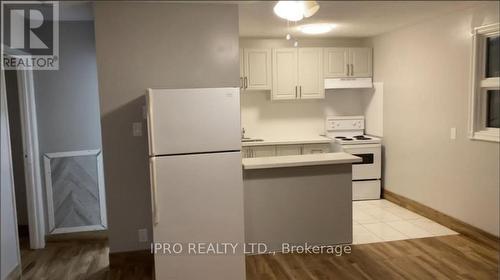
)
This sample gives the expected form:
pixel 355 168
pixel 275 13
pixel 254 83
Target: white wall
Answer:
pixel 373 105
pixel 9 249
pixel 263 118
pixel 426 73
pixel 158 45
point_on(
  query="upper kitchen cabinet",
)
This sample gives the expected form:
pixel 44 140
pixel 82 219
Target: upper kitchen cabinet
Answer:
pixel 285 74
pixel 336 62
pixel 310 76
pixel 255 69
pixel 297 73
pixel 347 62
pixel 360 60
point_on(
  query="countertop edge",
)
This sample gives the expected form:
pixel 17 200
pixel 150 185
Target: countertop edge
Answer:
pixel 287 142
pixel 297 161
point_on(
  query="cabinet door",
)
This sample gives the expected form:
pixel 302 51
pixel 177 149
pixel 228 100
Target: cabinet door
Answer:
pixel 284 74
pixel 288 150
pixel 310 73
pixel 257 63
pixel 263 151
pixel 360 60
pixel 315 149
pixel 246 152
pixel 242 68
pixel 335 62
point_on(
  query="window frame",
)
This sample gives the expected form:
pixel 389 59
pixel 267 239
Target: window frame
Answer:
pixel 481 85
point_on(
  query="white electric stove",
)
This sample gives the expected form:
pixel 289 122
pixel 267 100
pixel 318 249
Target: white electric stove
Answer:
pixel 348 133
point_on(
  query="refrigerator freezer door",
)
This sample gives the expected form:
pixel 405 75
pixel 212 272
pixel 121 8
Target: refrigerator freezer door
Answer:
pixel 198 198
pixel 182 121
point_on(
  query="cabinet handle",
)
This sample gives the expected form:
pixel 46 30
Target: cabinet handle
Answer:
pixel 300 91
pixel 246 82
pixel 352 69
pixel 296 96
pixel 347 69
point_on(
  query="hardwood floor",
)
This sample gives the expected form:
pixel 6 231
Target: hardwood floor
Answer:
pixel 445 257
pixel 70 260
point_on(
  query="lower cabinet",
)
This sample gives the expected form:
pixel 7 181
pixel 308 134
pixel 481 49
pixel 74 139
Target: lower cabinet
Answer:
pixel 288 150
pixel 315 149
pixel 284 150
pixel 259 151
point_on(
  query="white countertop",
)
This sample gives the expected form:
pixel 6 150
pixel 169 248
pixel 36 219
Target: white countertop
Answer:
pixel 299 160
pixel 296 141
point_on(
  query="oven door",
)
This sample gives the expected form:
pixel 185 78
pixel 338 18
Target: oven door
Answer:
pixel 370 167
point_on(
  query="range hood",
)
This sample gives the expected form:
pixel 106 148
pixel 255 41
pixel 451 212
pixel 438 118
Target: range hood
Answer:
pixel 338 83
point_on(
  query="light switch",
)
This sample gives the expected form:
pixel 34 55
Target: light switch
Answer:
pixel 137 129
pixel 453 133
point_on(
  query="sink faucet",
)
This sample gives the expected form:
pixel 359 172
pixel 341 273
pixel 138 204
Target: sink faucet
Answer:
pixel 242 133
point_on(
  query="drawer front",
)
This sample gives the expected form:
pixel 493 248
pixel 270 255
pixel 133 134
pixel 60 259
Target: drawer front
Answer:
pixel 315 149
pixel 288 150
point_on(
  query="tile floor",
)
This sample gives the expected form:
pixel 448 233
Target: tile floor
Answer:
pixel 381 220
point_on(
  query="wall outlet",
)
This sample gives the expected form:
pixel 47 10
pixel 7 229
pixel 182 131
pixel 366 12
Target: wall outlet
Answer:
pixel 137 129
pixel 143 235
pixel 453 133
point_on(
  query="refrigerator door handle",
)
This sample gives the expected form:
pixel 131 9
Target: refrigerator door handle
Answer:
pixel 154 191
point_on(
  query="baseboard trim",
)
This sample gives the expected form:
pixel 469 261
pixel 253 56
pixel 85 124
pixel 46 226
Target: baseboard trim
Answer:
pixel 463 228
pixel 121 259
pixel 15 274
pixel 80 236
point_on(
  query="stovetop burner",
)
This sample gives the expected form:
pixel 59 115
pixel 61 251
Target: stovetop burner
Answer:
pixel 347 139
pixel 362 137
pixel 340 137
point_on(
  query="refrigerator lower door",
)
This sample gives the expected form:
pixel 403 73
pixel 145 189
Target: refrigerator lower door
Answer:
pixel 198 199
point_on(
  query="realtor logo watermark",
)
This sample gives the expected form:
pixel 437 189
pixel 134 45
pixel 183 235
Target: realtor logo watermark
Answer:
pixel 30 35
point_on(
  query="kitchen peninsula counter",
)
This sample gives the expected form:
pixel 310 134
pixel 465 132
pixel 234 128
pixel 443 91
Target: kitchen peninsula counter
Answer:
pixel 298 199
pixel 299 160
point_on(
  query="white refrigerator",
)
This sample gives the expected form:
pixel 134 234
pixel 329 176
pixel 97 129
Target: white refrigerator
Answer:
pixel 196 180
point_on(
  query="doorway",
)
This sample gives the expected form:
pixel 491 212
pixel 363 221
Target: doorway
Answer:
pixel 17 151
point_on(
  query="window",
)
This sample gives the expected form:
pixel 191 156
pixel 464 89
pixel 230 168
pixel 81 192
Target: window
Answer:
pixel 493 111
pixel 485 93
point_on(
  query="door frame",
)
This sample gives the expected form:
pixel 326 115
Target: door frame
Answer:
pixel 34 192
pixel 29 128
pixel 5 110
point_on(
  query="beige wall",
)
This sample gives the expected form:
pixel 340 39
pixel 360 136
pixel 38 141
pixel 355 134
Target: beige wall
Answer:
pixel 263 118
pixel 426 73
pixel 159 45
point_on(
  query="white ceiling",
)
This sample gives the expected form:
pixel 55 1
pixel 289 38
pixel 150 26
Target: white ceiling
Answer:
pixel 353 18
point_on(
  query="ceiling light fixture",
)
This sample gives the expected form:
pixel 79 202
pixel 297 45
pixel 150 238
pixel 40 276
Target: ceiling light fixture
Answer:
pixel 310 8
pixel 316 28
pixel 295 10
